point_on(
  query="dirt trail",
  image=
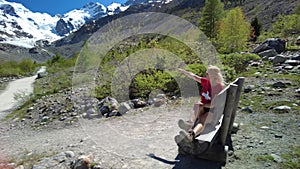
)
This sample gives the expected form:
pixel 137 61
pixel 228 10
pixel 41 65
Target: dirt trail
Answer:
pixel 138 140
pixel 22 86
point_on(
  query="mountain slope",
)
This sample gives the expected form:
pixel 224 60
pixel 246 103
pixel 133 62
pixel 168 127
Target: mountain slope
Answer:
pixel 78 25
pixel 22 27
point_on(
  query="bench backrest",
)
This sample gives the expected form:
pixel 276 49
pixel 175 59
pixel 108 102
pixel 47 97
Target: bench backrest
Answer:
pixel 218 106
pixel 232 100
pixel 224 108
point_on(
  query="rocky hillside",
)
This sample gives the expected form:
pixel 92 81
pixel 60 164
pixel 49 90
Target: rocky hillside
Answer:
pixel 266 11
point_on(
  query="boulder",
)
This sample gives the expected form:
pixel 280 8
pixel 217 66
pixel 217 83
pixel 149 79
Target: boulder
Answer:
pixel 266 54
pixel 296 57
pixel 247 109
pixel 249 88
pixel 160 100
pixel 279 84
pixel 298 41
pixel 42 72
pixel 272 43
pixel 138 103
pixel 282 109
pixel 288 67
pixel 278 59
pixel 292 62
pixel 83 162
pixel 109 102
pixel 124 108
pixel 57 160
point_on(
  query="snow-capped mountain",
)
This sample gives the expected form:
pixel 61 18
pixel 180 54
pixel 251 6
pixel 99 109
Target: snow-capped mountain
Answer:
pixel 136 2
pixel 22 27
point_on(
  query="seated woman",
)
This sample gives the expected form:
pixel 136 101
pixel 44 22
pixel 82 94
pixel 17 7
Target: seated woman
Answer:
pixel 212 84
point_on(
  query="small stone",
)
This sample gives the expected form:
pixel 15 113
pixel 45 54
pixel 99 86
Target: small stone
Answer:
pixel 292 62
pixel 249 88
pixel 279 85
pixel 268 165
pixel 69 154
pixel 276 158
pixel 247 109
pixel 230 153
pixel 265 127
pixel 124 108
pixel 282 109
pixel 45 118
pixel 288 67
pixel 265 88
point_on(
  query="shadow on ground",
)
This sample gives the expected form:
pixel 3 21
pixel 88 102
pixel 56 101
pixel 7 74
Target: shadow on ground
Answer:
pixel 188 162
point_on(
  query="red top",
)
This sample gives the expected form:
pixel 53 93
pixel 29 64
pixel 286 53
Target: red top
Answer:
pixel 208 92
pixel 205 92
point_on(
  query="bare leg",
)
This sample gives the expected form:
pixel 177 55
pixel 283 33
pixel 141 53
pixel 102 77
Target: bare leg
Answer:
pixel 201 123
pixel 194 114
pixel 198 108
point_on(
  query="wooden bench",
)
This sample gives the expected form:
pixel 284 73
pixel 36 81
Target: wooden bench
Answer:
pixel 212 144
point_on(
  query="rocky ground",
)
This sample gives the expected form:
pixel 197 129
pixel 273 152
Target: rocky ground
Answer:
pixel 53 135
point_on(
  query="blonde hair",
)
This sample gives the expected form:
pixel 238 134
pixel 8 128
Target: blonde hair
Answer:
pixel 215 75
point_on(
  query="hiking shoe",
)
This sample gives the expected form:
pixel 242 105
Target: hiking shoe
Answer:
pixel 188 136
pixel 185 125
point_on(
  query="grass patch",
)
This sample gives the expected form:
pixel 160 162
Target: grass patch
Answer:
pixel 293 48
pixel 292 77
pixel 14 68
pixel 272 105
pixel 265 158
pixel 291 160
pixel 21 111
pixel 29 159
pixel 254 101
pixel 266 68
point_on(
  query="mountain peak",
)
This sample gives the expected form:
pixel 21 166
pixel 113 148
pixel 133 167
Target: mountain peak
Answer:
pixel 17 23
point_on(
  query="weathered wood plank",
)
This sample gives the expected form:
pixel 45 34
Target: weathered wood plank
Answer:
pixel 231 94
pixel 209 132
pixel 240 83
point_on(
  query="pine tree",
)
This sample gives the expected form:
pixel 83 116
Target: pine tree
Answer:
pixel 210 15
pixel 233 32
pixel 256 28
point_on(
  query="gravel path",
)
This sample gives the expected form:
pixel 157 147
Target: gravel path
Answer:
pixel 20 87
pixel 143 139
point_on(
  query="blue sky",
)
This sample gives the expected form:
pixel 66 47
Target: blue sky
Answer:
pixel 59 6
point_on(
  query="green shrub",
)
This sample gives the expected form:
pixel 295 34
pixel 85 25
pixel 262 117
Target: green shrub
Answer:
pixel 14 68
pixel 198 69
pixel 229 73
pixel 238 62
pixel 265 158
pixel 150 80
pixel 286 25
